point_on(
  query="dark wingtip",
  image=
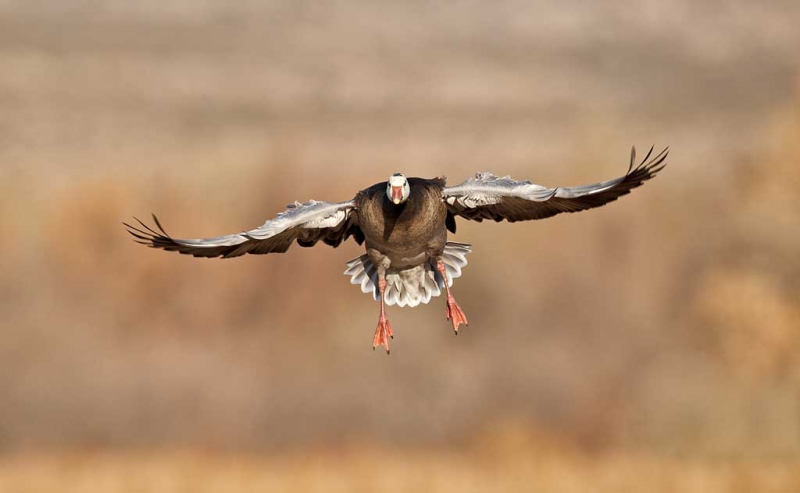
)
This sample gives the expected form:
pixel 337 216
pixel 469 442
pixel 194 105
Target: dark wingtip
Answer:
pixel 633 159
pixel 649 165
pixel 146 235
pixel 137 233
pixel 148 228
pixel 649 153
pixel 659 162
pixel 159 226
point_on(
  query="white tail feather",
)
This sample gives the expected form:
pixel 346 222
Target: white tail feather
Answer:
pixel 410 287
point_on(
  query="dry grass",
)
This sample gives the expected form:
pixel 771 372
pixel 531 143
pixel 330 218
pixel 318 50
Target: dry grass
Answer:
pixel 381 470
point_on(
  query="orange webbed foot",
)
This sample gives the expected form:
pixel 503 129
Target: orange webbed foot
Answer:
pixel 455 314
pixel 382 334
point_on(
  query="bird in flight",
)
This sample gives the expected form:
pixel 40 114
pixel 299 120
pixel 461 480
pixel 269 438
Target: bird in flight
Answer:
pixel 403 224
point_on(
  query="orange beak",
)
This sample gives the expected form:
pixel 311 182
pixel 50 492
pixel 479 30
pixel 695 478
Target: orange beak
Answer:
pixel 397 194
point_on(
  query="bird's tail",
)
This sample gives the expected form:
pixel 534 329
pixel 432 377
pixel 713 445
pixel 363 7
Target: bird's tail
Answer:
pixel 412 286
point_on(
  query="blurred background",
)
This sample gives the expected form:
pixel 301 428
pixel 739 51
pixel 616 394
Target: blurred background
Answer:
pixel 652 342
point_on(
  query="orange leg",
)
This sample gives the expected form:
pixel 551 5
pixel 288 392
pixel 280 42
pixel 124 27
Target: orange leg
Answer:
pixel 454 312
pixel 384 331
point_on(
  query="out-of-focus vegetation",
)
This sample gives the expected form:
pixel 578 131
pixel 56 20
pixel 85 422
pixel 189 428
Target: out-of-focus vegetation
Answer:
pixel 654 341
pixel 367 468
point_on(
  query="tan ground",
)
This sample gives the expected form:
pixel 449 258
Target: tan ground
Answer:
pixel 380 470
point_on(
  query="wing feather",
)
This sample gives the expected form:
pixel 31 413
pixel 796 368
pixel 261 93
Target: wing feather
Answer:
pixel 305 223
pixel 490 197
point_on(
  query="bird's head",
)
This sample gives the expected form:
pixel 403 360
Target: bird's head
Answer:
pixel 397 188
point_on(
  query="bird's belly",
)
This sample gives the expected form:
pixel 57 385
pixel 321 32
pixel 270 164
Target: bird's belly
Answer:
pixel 398 260
pixel 406 249
pixel 403 261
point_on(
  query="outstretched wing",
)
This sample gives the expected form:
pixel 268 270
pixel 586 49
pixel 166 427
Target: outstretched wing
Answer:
pixel 305 223
pixel 489 197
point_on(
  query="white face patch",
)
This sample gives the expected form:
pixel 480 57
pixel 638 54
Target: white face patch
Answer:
pixel 397 180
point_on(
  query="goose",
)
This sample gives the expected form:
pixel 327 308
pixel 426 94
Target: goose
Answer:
pixel 403 223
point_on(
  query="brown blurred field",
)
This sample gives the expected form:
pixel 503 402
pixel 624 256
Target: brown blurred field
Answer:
pixel 649 345
pixel 369 469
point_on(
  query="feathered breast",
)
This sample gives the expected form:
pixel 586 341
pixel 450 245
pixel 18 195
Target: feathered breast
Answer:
pixel 409 225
